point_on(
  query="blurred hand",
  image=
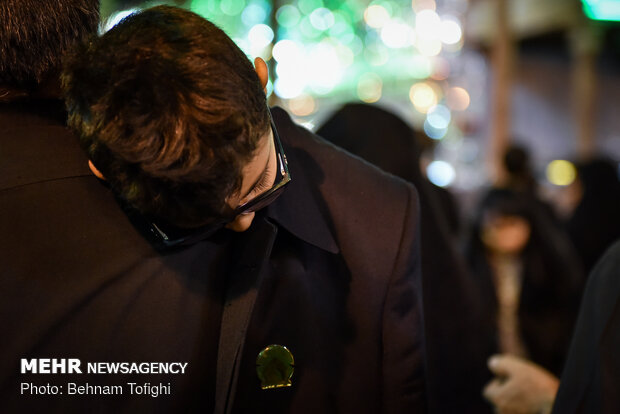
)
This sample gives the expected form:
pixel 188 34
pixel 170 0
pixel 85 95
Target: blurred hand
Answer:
pixel 520 386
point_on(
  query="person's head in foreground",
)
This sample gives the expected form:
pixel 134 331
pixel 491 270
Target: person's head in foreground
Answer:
pixel 173 115
pixel 33 37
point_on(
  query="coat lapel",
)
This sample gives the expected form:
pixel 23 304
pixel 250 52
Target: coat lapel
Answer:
pixel 254 248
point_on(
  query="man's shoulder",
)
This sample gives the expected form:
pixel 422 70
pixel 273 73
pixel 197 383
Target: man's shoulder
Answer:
pixel 37 146
pixel 373 214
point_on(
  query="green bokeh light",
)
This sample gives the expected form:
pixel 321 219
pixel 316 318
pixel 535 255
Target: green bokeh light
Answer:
pixel 358 49
pixel 608 10
pixel 288 15
pixel 307 29
pixel 308 6
pixel 232 7
pixel 253 14
pixel 205 8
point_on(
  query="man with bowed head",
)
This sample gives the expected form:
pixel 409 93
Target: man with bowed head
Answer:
pixel 320 272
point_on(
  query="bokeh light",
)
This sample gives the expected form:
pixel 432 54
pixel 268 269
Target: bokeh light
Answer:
pixel 441 68
pixel 288 87
pixel 253 14
pixel 421 67
pixel 376 55
pixel 397 34
pixel 328 52
pixel 308 6
pixel 427 24
pixel 429 47
pixel 345 55
pixel 419 5
pixel 369 87
pixel 376 16
pixel 341 27
pixel 232 7
pixel 288 16
pixel 324 67
pixel 438 117
pixel 422 96
pixel 441 173
pixel 307 29
pixel 450 30
pixel 303 105
pixel 561 172
pixel 457 98
pixel 433 132
pixel 322 18
pixel 354 43
pixel 260 36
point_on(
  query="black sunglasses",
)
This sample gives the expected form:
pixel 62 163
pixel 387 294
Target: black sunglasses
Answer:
pixel 167 236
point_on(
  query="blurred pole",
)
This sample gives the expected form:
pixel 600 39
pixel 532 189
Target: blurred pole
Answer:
pixel 585 44
pixel 502 68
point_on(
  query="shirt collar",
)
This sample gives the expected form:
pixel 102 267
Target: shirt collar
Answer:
pixel 300 209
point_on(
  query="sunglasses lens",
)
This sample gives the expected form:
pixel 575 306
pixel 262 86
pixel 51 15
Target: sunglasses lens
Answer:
pixel 264 202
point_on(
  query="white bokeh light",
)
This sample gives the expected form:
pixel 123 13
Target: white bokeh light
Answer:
pixel 288 88
pixel 441 173
pixel 397 34
pixel 286 50
pixel 260 36
pixel 376 16
pixel 438 116
pixel 322 18
pixel 325 69
pixel 450 31
pixel 427 24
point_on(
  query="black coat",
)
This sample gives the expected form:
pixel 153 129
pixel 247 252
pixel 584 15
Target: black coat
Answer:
pixel 551 280
pixel 333 265
pixel 591 376
pixel 454 332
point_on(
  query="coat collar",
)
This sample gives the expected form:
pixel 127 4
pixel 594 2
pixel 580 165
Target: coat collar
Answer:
pixel 298 209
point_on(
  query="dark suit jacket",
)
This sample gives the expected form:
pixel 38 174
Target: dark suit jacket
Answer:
pixel 453 315
pixel 590 382
pixel 333 266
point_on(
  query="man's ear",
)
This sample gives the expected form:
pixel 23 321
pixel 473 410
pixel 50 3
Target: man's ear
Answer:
pixel 263 73
pixel 95 170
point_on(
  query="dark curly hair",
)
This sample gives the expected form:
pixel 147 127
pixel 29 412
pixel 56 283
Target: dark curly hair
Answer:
pixel 169 109
pixel 35 34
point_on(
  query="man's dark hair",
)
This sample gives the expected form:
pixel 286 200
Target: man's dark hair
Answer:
pixel 169 109
pixel 34 35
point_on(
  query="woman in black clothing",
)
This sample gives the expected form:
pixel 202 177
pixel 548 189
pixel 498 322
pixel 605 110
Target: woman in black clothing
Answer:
pixel 530 276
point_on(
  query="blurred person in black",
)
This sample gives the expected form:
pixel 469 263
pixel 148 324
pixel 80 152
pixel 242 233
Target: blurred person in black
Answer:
pixel 591 374
pixel 520 178
pixel 530 277
pixel 455 361
pixel 532 280
pixel 180 252
pixel 405 164
pixel 595 224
